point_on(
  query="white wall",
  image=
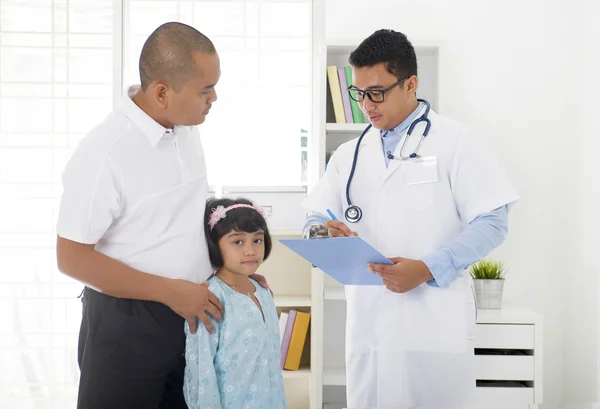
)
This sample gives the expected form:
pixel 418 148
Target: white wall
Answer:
pixel 583 351
pixel 581 340
pixel 509 68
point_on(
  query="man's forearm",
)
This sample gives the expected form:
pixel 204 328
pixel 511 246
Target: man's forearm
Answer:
pixel 475 242
pixel 109 276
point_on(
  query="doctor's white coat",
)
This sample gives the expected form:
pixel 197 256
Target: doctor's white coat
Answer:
pixel 412 350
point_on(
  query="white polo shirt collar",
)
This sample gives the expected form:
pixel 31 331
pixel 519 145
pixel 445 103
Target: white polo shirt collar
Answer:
pixel 149 127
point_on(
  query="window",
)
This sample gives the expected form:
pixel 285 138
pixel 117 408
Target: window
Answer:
pixel 263 110
pixel 57 81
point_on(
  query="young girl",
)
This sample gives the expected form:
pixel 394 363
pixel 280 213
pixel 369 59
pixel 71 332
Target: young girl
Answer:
pixel 238 366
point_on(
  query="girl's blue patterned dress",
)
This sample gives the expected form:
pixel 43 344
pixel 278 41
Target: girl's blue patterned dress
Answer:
pixel 237 367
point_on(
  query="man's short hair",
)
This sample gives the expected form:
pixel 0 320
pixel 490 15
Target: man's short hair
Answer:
pixel 389 47
pixel 167 54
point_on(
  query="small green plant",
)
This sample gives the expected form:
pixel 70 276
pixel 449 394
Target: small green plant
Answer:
pixel 488 270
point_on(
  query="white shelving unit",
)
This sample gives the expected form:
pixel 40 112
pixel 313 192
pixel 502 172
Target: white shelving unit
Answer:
pixel 517 374
pixel 292 301
pixel 300 374
pixel 508 361
pixel 289 277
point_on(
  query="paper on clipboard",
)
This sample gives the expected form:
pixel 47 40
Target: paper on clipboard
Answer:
pixel 345 259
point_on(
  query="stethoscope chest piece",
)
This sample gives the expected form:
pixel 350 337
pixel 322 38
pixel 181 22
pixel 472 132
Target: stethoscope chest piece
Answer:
pixel 353 214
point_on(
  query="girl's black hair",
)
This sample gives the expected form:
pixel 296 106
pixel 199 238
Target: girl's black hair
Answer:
pixel 242 219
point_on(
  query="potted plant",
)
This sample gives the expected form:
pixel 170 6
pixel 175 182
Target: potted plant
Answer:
pixel 488 281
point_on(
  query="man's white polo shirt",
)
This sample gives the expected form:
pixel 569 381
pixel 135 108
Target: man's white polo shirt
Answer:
pixel 138 191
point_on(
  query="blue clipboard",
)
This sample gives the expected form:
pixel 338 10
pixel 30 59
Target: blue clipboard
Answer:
pixel 345 259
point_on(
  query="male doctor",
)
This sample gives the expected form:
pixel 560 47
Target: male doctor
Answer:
pixel 433 210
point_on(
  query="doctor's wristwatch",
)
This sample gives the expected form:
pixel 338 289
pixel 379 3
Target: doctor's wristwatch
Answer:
pixel 317 231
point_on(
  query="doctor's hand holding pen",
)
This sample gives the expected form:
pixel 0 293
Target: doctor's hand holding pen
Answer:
pixel 337 228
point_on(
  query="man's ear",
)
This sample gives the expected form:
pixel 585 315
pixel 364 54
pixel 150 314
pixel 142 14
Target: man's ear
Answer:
pixel 161 92
pixel 412 84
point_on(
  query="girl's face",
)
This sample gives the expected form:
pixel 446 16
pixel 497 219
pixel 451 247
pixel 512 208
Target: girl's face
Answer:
pixel 242 252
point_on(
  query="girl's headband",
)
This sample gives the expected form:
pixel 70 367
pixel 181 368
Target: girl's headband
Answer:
pixel 220 213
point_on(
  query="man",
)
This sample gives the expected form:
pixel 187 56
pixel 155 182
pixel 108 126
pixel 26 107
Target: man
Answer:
pixel 131 228
pixel 434 205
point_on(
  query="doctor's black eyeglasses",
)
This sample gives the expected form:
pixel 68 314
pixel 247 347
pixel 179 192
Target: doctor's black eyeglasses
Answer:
pixel 375 95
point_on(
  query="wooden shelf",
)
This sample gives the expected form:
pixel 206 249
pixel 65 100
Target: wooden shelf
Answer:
pixel 292 301
pixel 302 373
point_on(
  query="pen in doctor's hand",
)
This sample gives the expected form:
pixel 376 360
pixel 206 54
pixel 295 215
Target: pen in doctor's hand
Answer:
pixel 331 215
pixel 337 228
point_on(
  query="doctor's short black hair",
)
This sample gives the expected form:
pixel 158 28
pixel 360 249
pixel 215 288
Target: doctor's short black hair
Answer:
pixel 242 219
pixel 389 47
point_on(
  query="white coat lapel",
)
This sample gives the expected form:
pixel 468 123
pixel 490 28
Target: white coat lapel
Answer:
pixel 370 155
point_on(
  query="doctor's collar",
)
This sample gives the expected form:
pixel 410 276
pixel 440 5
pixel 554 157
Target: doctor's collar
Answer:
pixel 386 132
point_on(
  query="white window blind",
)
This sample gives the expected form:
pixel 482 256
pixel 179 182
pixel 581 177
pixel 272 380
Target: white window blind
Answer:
pixel 255 130
pixel 57 81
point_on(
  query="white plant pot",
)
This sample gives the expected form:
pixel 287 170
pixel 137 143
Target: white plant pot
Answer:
pixel 488 293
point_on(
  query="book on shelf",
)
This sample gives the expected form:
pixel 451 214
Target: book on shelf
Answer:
pixel 293 338
pixel 345 96
pixel 283 319
pixel 357 114
pixel 336 94
pixel 340 108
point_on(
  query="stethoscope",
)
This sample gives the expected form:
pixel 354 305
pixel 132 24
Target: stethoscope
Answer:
pixel 354 213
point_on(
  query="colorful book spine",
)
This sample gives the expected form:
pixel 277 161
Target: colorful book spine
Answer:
pixel 336 94
pixel 287 336
pixel 357 114
pixel 345 97
pixel 294 354
pixel 283 318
